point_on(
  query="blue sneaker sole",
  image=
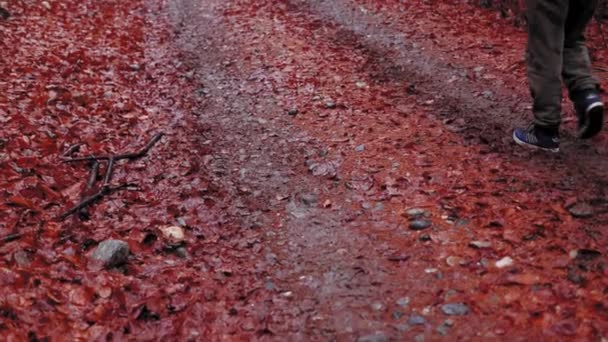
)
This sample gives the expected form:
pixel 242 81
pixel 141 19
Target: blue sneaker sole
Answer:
pixel 534 147
pixel 594 123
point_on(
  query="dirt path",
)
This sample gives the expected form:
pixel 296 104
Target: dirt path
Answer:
pixel 340 170
pixel 332 119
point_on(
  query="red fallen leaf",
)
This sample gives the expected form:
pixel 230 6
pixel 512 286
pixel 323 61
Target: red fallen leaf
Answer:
pixel 523 279
pixel 23 202
pixel 561 262
pixel 511 235
pixel 49 192
pixel 566 327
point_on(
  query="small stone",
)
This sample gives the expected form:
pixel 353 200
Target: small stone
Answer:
pixel 309 199
pixel 456 309
pixel 111 253
pixel 360 148
pixel 46 5
pixel 270 286
pixel 22 258
pixel 425 238
pixel 4 14
pixel 487 94
pixel 181 252
pixel 403 302
pixel 415 212
pixel 330 104
pixel 377 337
pixel 453 260
pixel 377 306
pixel 361 84
pixel 504 262
pixel 416 320
pixel 420 225
pixel 581 210
pixel 135 67
pixel 293 112
pixel 173 233
pixel 480 244
pixel 397 314
pixel 444 328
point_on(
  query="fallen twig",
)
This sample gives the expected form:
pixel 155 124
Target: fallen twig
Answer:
pixel 12 237
pixel 105 187
pixel 105 190
pixel 106 179
pixel 118 157
pixel 84 213
pixel 71 150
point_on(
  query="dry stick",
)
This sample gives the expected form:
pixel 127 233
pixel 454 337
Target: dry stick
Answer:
pixel 133 155
pixel 83 213
pixel 11 237
pixel 86 201
pixel 105 188
pixel 106 180
pixel 71 150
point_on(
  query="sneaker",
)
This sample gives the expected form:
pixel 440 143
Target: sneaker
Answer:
pixel 538 137
pixel 590 111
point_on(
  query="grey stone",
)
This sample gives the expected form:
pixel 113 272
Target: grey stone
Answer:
pixel 403 302
pixel 270 286
pixel 420 224
pixel 293 112
pixel 397 314
pixel 444 328
pixel 415 212
pixel 581 210
pixel 487 94
pixel 181 252
pixel 377 306
pixel 330 104
pixel 480 244
pixel 377 337
pixel 22 258
pixel 111 253
pixel 360 148
pixel 309 199
pixel 455 309
pixel 416 320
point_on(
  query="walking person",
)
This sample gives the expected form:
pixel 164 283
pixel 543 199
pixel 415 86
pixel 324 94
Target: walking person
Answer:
pixel 556 52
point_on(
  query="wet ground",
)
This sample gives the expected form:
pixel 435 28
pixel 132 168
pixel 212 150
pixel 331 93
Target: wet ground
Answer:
pixel 342 171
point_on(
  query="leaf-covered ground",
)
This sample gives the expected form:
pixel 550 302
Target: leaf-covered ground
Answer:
pixel 340 170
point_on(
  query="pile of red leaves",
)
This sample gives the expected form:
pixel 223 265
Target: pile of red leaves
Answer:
pixel 96 73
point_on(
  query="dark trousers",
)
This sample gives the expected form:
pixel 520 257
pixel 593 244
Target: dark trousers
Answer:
pixel 556 52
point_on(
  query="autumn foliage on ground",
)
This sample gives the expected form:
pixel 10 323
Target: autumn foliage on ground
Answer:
pixel 84 77
pixel 97 77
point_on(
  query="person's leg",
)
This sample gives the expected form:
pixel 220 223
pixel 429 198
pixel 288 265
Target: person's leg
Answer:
pixel 546 31
pixel 546 34
pixel 577 75
pixel 577 65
